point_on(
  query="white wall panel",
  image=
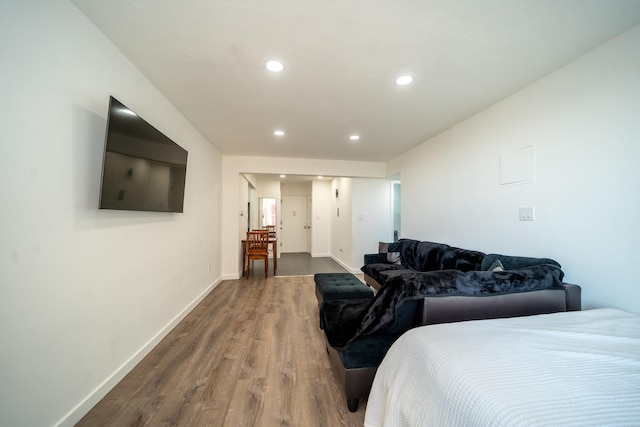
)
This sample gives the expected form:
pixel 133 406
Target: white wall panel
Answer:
pixel 85 293
pixel 584 122
pixel 372 217
pixel 321 220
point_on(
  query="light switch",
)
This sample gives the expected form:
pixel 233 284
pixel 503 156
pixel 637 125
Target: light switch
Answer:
pixel 527 213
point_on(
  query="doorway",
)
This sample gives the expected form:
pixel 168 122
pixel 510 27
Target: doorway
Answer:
pixel 294 225
pixel 397 203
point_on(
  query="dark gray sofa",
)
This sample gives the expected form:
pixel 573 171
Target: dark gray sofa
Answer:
pixel 433 283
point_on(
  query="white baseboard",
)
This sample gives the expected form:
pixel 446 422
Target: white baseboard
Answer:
pixel 345 266
pixel 82 408
pixel 327 255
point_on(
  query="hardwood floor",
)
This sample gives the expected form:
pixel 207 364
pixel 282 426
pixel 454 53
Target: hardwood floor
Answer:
pixel 251 354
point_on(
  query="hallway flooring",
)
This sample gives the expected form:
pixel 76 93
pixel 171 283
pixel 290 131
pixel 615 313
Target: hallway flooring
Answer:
pixel 298 264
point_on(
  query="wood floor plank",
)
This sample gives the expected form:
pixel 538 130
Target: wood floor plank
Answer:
pixel 250 354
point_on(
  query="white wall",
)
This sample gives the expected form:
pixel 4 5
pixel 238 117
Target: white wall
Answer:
pixel 584 122
pixel 341 221
pixel 372 217
pixel 321 220
pixel 248 198
pixel 296 188
pixel 84 293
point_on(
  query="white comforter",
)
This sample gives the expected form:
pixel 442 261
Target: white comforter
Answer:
pixel 576 368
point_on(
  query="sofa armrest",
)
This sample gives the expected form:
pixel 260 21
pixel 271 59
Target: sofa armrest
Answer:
pixel 573 296
pixel 372 282
pixel 375 258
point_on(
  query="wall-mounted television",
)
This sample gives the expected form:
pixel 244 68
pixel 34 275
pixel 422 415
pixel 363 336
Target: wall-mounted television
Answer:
pixel 143 170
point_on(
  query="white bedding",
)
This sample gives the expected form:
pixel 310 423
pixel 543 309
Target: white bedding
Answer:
pixel 577 368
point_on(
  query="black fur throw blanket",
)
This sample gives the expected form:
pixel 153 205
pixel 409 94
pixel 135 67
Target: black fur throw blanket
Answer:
pixel 345 320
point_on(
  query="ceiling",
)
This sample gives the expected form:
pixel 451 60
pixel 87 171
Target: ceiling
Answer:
pixel 341 58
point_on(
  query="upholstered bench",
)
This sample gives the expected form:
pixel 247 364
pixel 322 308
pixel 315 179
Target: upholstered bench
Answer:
pixel 355 365
pixel 340 286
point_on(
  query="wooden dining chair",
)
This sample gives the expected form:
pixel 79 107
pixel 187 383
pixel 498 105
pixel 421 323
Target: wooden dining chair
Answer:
pixel 271 229
pixel 258 248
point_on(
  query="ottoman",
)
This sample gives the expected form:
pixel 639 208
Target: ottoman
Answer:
pixel 336 286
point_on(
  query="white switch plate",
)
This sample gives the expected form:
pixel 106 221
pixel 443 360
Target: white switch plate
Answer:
pixel 527 213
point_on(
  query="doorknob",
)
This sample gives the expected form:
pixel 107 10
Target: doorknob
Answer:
pixel 306 226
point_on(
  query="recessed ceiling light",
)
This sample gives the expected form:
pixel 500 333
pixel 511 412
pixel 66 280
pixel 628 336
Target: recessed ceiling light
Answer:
pixel 404 80
pixel 278 133
pixel 275 66
pixel 354 137
pixel 283 176
pixel 320 176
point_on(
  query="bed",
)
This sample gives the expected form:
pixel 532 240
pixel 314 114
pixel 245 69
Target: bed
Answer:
pixel 572 368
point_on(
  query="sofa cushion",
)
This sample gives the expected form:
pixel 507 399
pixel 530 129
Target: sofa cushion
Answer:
pixel 384 247
pixel 421 256
pixel 332 286
pixel 391 250
pixel 375 258
pixel 393 257
pixel 376 270
pixel 461 259
pixel 431 256
pixel 515 262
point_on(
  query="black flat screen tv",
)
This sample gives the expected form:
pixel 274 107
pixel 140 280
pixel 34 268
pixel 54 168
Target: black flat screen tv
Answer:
pixel 142 170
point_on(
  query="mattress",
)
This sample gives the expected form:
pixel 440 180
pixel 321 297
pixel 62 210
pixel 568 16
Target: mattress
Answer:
pixel 564 369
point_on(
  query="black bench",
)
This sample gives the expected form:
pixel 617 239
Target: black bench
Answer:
pixel 338 286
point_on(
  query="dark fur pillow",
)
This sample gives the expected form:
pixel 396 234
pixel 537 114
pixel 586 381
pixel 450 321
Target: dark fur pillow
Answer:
pixel 496 266
pixel 392 257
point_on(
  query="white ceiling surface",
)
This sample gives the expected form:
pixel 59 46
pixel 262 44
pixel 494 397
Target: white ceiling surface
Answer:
pixel 341 58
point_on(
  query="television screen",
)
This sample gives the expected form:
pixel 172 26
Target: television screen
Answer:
pixel 143 170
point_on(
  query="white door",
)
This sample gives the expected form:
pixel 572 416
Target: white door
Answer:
pixel 293 229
